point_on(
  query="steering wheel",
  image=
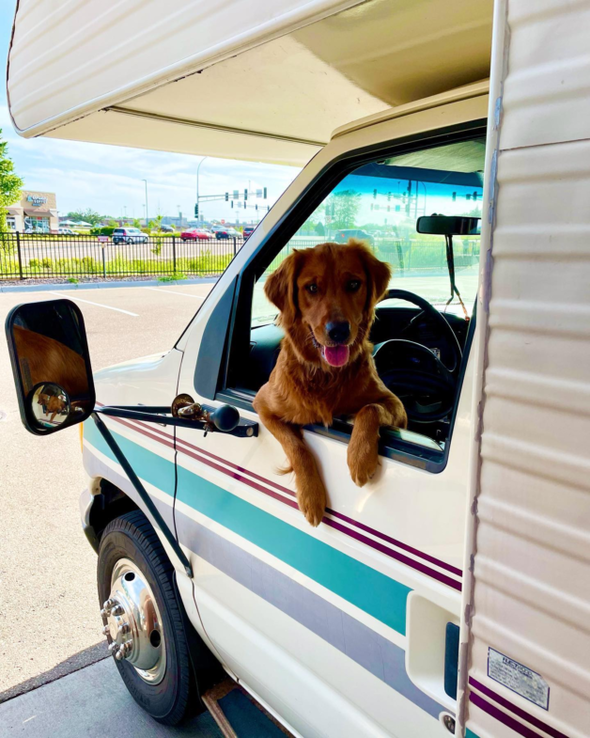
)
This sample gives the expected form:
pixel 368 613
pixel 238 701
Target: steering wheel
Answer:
pixel 415 373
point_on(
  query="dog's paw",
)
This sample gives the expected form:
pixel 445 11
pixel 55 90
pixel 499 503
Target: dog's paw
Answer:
pixel 312 501
pixel 363 460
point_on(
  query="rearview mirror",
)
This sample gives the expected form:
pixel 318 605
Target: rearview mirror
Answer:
pixel 51 365
pixel 448 225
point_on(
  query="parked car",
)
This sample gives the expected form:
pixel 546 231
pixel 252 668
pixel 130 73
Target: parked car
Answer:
pixel 66 232
pixel 196 234
pixel 166 229
pixel 225 232
pixel 129 235
pixel 247 231
pixel 343 235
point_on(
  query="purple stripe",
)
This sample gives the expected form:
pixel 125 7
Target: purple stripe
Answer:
pixel 335 513
pixel 199 455
pixel 516 710
pixel 502 717
pixel 395 555
pixel 399 544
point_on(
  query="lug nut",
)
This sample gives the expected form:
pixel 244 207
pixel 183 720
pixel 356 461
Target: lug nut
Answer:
pixel 124 628
pixel 117 610
pixel 119 655
pixel 114 647
pixel 106 630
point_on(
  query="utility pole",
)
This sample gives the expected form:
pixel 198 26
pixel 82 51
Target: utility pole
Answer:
pixel 147 217
pixel 197 210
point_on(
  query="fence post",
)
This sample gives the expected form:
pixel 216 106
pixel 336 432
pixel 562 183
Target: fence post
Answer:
pixel 104 262
pixel 20 261
pixel 235 245
pixel 173 254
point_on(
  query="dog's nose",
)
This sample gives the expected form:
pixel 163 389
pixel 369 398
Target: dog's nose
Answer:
pixel 338 332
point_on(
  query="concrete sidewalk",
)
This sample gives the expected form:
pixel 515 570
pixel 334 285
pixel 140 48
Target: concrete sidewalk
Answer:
pixel 90 703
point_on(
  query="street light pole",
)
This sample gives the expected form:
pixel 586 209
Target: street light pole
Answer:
pixel 146 204
pixel 198 170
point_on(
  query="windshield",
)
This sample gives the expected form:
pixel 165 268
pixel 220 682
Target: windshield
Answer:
pixel 384 199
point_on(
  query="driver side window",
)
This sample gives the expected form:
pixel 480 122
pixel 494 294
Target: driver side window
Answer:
pixel 419 343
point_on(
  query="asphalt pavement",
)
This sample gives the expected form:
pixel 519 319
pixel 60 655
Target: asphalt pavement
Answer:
pixel 49 615
pixel 91 703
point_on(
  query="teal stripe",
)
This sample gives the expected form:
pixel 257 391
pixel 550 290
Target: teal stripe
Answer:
pixel 373 592
pixel 470 734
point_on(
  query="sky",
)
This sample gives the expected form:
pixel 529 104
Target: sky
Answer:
pixel 109 179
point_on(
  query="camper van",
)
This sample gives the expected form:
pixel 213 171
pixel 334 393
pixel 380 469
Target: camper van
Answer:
pixel 450 594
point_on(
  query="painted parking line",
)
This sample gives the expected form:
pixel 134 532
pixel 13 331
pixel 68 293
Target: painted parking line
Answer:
pixel 174 292
pixel 97 304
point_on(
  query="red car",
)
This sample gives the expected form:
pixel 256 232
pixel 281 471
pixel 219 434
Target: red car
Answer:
pixel 247 231
pixel 196 234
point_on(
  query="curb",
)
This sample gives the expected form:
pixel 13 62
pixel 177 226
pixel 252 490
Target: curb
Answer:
pixel 104 285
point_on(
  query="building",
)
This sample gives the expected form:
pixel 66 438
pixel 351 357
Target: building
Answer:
pixel 36 212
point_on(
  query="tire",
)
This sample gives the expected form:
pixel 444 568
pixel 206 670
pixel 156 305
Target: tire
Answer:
pixel 131 537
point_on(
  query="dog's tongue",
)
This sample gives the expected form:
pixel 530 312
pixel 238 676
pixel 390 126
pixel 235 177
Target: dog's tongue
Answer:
pixel 336 355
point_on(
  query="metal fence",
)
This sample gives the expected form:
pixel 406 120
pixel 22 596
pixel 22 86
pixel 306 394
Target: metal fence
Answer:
pixel 27 256
pixel 32 255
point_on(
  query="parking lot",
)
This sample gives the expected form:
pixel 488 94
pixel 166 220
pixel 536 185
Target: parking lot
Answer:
pixel 49 615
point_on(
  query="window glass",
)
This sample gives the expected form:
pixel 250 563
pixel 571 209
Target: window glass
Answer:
pixel 380 203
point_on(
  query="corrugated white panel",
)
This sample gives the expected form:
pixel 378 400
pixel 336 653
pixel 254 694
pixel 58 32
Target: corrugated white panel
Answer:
pixel 547 93
pixel 532 557
pixel 66 55
pixel 290 71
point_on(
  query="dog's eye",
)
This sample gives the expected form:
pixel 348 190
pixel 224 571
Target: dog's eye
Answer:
pixel 313 288
pixel 353 285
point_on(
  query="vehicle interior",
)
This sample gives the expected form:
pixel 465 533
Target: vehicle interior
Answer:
pixel 422 210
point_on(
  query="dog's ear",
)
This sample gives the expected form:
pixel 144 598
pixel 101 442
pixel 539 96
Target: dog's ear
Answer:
pixel 281 288
pixel 378 272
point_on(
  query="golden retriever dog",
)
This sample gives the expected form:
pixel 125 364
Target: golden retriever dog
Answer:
pixel 43 359
pixel 326 297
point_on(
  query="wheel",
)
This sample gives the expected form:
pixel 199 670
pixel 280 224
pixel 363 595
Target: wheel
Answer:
pixel 143 618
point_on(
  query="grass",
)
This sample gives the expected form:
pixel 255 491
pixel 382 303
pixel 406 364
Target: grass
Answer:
pixel 206 264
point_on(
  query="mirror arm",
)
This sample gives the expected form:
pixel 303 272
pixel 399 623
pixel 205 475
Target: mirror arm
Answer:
pixel 161 414
pixel 141 491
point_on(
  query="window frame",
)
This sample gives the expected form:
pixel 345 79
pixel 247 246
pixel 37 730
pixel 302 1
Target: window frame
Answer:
pixel 237 343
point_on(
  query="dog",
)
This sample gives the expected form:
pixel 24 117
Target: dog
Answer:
pixel 326 297
pixel 43 359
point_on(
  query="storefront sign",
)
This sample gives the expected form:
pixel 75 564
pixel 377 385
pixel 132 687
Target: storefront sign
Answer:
pixel 36 200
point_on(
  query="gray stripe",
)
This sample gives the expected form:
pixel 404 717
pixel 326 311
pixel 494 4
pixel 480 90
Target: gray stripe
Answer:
pixel 363 645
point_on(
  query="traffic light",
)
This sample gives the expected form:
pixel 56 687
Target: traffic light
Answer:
pixel 197 210
pixel 374 194
pixel 475 195
pixel 264 193
pixel 226 196
pixel 232 203
pixel 245 194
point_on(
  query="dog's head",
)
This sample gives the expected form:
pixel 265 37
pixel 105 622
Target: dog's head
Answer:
pixel 327 298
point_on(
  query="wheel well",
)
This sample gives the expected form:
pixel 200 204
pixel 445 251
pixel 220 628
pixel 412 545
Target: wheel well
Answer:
pixel 109 504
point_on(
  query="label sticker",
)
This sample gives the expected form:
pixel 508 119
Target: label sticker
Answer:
pixel 518 678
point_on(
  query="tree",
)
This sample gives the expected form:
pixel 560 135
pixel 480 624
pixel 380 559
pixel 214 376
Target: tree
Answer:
pixel 342 209
pixel 10 183
pixel 88 215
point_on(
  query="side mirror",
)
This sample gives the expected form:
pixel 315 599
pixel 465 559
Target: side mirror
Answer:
pixel 448 225
pixel 51 365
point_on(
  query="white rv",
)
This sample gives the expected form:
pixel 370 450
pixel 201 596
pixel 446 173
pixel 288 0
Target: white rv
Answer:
pixel 451 595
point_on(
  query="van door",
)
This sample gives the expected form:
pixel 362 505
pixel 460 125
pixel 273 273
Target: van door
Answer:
pixel 350 628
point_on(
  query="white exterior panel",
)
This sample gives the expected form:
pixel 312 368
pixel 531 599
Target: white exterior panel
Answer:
pixel 531 600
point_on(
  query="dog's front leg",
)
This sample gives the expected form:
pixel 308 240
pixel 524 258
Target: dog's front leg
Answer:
pixel 311 493
pixel 363 449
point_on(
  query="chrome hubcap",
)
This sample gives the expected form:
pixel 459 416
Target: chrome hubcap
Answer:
pixel 133 625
